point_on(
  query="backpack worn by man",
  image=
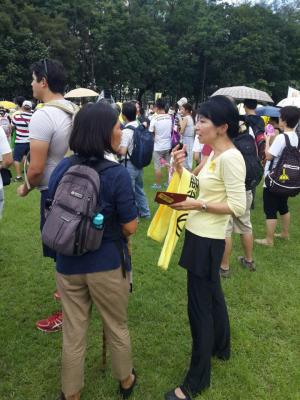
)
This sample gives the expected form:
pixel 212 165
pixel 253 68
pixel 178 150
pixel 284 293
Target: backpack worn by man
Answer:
pixel 284 179
pixel 245 143
pixel 256 126
pixel 143 144
pixel 71 109
pixel 69 228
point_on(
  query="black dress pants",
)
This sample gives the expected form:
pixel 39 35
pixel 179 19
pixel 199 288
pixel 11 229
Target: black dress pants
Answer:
pixel 210 329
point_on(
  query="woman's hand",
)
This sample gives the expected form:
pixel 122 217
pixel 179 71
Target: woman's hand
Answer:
pixel 179 157
pixel 188 204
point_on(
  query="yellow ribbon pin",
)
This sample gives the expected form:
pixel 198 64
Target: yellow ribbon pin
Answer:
pixel 283 177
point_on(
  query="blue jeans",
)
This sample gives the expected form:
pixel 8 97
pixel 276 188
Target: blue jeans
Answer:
pixel 136 176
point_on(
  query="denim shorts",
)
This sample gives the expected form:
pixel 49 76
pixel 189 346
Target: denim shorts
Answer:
pixel 20 150
pixel 158 155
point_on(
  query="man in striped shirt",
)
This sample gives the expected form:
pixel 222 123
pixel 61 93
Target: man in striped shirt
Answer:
pixel 21 121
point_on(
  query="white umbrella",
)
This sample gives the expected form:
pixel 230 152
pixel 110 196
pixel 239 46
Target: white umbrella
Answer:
pixel 244 92
pixel 81 92
pixel 290 101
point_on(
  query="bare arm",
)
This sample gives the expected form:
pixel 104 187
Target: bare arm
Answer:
pixel 129 228
pixel 38 158
pixel 7 160
pixel 183 124
pixel 269 156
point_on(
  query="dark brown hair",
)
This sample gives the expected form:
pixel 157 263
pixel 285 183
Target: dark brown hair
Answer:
pixel 92 130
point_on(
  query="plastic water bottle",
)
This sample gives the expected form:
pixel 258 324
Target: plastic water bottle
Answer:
pixel 98 221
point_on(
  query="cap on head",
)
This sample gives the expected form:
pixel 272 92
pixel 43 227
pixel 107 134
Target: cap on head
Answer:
pixel 182 101
pixel 27 104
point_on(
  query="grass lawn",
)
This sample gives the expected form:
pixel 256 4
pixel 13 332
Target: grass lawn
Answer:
pixel 264 309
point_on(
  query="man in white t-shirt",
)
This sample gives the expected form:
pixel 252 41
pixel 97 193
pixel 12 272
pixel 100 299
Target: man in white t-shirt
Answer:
pixel 161 125
pixel 49 132
pixel 129 113
pixel 6 161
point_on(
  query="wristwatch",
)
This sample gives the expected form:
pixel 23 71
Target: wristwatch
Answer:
pixel 203 206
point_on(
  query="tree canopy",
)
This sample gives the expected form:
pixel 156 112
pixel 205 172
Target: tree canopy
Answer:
pixel 134 47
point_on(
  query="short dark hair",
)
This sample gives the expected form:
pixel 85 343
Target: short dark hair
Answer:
pixel 274 119
pixel 250 103
pixel 188 107
pixel 290 115
pixel 19 100
pixel 129 110
pixel 92 130
pixel 221 110
pixel 160 104
pixel 53 71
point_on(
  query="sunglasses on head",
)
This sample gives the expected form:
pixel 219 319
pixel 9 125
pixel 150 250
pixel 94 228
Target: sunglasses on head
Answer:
pixel 45 67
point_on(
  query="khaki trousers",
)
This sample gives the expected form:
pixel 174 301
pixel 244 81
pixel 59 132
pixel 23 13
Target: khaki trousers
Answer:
pixel 109 291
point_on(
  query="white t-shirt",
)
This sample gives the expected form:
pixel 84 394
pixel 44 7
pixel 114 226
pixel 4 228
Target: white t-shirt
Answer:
pixel 4 149
pixel 197 146
pixel 127 134
pixel 277 147
pixel 161 125
pixel 52 125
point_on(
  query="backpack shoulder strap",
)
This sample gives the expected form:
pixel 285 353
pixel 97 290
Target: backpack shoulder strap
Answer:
pixel 287 140
pixel 70 108
pixel 133 128
pixel 105 164
pixel 98 165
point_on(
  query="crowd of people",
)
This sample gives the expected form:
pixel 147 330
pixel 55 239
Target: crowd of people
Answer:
pixel 206 147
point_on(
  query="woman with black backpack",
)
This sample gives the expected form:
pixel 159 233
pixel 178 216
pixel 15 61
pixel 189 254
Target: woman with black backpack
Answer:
pixel 100 277
pixel 275 195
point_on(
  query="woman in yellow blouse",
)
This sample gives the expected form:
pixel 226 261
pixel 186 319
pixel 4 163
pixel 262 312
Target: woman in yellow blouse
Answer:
pixel 221 194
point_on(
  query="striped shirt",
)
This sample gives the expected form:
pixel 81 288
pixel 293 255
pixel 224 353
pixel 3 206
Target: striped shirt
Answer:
pixel 21 123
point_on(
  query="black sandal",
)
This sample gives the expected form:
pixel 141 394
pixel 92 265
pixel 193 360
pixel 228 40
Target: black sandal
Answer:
pixel 126 393
pixel 172 395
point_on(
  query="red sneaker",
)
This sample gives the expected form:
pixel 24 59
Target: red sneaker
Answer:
pixel 56 296
pixel 51 324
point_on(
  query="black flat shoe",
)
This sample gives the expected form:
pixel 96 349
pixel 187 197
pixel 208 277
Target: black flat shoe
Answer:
pixel 126 393
pixel 172 395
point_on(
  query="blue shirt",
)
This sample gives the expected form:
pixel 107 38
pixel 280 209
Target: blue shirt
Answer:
pixel 117 199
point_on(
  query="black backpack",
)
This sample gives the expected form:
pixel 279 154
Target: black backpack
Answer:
pixel 69 228
pixel 245 143
pixel 6 176
pixel 284 179
pixel 257 126
pixel 143 144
